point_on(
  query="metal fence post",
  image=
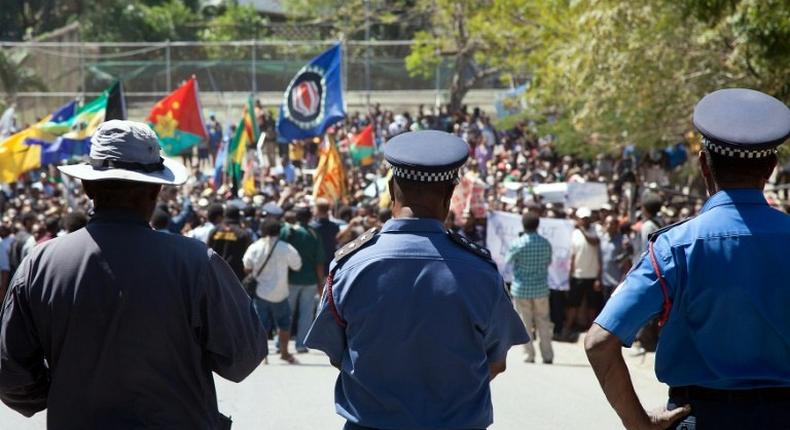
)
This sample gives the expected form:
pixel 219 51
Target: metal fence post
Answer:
pixel 82 70
pixel 254 84
pixel 367 54
pixel 438 74
pixel 167 66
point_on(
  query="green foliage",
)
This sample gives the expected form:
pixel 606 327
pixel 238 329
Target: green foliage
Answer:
pixel 348 17
pixel 482 38
pixel 129 21
pixel 235 23
pixel 630 72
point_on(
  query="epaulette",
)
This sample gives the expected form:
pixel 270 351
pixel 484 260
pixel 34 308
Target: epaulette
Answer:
pixel 467 244
pixel 355 245
pixel 654 235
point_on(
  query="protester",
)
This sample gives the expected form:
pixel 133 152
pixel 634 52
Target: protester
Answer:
pixel 585 272
pixel 327 229
pixel 214 217
pixel 230 240
pixel 530 256
pixel 304 282
pixel 615 256
pixel 269 259
pixel 129 323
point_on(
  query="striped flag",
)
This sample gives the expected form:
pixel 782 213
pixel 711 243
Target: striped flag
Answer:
pixel 330 177
pixel 247 134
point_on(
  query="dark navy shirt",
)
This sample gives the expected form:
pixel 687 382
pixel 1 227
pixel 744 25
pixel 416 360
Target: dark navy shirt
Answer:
pixel 727 274
pixel 116 326
pixel 425 320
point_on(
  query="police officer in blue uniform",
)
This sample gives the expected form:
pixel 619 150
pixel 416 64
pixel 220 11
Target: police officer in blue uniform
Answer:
pixel 416 318
pixel 720 284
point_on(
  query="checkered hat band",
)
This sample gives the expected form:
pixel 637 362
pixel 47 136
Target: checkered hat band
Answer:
pixel 420 176
pixel 734 152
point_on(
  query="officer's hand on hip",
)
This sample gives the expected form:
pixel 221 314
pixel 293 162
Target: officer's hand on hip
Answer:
pixel 662 418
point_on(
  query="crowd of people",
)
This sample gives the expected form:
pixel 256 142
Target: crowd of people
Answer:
pixel 281 223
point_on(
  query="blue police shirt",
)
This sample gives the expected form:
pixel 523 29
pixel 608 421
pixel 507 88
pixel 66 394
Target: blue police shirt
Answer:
pixel 425 319
pixel 727 274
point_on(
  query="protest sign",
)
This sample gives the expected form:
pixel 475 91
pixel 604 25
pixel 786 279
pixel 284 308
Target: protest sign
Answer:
pixel 468 197
pixel 589 194
pixel 504 229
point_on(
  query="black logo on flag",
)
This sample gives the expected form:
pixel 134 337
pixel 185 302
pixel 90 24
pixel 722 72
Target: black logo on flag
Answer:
pixel 305 98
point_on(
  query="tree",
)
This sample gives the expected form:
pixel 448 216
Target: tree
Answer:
pixel 15 76
pixel 133 21
pixel 483 39
pixel 616 72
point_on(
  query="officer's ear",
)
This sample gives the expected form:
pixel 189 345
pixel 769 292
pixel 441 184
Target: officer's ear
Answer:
pixel 391 188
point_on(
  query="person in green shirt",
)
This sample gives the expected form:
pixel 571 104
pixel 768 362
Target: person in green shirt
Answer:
pixel 304 284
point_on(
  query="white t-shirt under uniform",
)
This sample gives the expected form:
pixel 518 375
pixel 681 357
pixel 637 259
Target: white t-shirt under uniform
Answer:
pixel 273 279
pixel 585 264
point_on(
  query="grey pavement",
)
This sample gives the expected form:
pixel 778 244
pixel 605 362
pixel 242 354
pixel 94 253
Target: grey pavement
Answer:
pixel 564 395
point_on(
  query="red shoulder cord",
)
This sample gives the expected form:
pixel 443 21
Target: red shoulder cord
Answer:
pixel 330 301
pixel 664 290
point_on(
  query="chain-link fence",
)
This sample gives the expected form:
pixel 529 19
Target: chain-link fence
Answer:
pixel 150 70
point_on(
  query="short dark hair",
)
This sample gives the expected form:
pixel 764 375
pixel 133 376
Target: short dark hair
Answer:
pixel 215 212
pixel 75 221
pixel 652 203
pixel 531 221
pixel 270 227
pixel 732 169
pixel 160 219
pixel 232 213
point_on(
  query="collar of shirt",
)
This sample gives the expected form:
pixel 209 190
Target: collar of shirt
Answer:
pixel 741 196
pixel 413 225
pixel 118 216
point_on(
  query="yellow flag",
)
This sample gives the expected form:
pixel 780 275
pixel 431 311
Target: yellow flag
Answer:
pixel 16 157
pixel 330 177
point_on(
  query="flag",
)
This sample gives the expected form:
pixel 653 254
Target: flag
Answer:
pixel 116 102
pixel 363 147
pixel 17 156
pixel 247 133
pixel 330 177
pixel 177 119
pixel 68 132
pixel 314 99
pixel 7 122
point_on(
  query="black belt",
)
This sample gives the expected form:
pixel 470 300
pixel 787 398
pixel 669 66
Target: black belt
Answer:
pixel 693 392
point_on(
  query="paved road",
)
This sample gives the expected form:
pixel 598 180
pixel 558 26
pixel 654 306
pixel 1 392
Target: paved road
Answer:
pixel 564 395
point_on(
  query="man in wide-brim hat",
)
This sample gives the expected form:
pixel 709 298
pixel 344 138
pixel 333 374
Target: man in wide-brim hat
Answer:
pixel 119 326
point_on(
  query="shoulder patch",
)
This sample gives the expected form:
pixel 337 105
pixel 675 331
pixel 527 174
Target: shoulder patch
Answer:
pixel 356 244
pixel 470 246
pixel 654 235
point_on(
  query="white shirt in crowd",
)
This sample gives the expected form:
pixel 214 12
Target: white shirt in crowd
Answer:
pixel 585 263
pixel 273 279
pixel 201 233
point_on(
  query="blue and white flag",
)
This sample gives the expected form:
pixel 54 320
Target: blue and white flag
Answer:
pixel 314 98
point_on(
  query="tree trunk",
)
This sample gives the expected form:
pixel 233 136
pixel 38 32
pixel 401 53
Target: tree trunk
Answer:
pixel 459 85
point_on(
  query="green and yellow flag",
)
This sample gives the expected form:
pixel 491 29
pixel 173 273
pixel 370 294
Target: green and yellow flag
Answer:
pixel 247 134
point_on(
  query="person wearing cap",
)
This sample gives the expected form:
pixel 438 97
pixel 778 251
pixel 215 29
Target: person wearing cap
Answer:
pixel 416 318
pixel 116 326
pixel 717 282
pixel 584 278
pixel 230 240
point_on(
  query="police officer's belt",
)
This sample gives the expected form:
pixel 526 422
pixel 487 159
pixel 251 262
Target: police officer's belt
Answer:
pixel 693 392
